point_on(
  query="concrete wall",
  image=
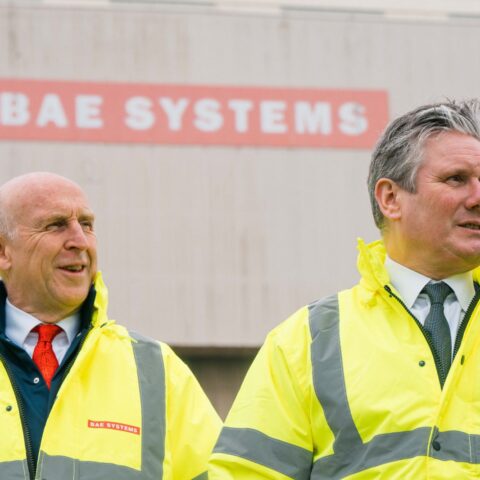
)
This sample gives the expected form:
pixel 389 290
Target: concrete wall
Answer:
pixel 213 246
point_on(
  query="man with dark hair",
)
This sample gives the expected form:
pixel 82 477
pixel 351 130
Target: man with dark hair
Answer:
pixel 82 398
pixel 382 380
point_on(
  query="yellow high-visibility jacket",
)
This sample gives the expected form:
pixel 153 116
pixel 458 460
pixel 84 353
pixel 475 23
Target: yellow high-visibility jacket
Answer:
pixel 348 388
pixel 127 409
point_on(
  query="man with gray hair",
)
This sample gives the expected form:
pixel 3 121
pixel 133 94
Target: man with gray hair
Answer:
pixel 81 397
pixel 382 380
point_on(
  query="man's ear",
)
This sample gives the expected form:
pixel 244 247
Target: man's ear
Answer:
pixel 5 259
pixel 386 194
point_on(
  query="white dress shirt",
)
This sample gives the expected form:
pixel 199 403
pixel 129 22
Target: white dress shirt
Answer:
pixel 19 324
pixel 409 284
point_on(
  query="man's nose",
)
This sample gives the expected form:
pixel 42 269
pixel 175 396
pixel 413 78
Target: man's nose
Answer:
pixel 473 200
pixel 77 238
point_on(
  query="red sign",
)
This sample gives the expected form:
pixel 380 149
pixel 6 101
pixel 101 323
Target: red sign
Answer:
pixel 114 426
pixel 190 114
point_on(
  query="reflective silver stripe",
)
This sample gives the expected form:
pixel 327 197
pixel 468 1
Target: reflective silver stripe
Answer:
pixel 202 476
pixel 456 446
pixel 17 470
pixel 351 455
pixel 291 460
pixel 53 467
pixel 151 379
pixel 328 376
pixel 383 448
pixel 64 468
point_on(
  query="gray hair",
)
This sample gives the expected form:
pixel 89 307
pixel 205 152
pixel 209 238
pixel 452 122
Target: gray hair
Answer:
pixel 7 229
pixel 398 153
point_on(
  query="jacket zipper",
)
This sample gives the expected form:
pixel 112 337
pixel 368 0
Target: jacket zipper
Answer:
pixel 460 332
pixel 26 431
pixel 466 319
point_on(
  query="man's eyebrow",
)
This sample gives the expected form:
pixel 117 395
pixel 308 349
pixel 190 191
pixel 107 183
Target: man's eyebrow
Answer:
pixel 50 219
pixel 60 218
pixel 87 216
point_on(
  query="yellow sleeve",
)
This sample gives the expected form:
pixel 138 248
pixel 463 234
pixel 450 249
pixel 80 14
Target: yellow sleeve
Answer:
pixel 267 434
pixel 192 425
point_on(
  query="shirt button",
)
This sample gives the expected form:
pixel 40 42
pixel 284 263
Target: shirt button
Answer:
pixel 436 445
pixel 36 380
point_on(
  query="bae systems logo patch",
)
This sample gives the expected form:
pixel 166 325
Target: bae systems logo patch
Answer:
pixel 114 426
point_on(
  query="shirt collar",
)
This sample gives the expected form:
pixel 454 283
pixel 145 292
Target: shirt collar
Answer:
pixel 409 284
pixel 18 324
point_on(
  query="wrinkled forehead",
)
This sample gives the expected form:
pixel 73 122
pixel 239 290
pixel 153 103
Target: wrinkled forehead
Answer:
pixel 41 200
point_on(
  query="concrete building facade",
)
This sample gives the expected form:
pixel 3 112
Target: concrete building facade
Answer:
pixel 208 246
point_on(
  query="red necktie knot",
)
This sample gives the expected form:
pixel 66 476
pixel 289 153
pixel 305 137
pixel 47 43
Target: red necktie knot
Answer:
pixel 47 332
pixel 43 355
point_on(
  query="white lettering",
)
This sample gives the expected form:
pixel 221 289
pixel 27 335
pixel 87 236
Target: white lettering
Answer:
pixel 174 111
pixel 208 117
pixel 139 115
pixel 87 111
pixel 353 121
pixel 51 111
pixel 313 120
pixel 240 109
pixel 14 109
pixel 272 116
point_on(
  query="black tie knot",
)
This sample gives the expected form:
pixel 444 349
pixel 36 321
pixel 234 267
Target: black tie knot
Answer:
pixel 437 292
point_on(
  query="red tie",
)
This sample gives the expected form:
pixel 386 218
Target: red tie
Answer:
pixel 43 355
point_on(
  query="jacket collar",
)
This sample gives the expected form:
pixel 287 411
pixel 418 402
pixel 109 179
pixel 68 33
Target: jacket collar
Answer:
pixel 92 312
pixel 371 265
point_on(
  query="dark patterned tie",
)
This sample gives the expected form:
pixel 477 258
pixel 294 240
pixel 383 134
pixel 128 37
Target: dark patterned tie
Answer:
pixel 43 355
pixel 437 327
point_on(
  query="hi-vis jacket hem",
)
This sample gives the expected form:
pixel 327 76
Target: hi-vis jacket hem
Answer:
pixel 127 409
pixel 348 388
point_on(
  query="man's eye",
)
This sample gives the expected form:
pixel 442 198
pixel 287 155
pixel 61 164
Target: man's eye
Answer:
pixel 54 225
pixel 87 225
pixel 456 179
